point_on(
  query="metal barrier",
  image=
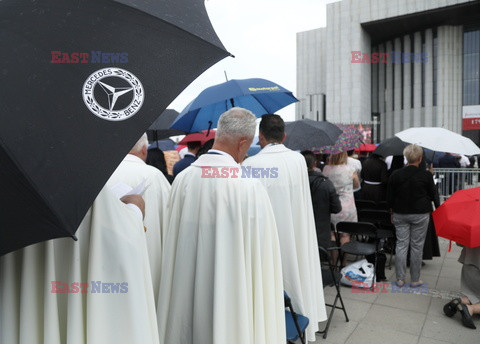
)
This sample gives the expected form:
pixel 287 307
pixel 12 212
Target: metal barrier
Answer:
pixel 450 180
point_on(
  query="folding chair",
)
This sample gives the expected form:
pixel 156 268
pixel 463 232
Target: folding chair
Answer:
pixel 295 323
pixel 383 205
pixel 331 277
pixel 382 219
pixel 360 248
pixel 365 204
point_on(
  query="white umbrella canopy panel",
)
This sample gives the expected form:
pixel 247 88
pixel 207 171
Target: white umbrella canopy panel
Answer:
pixel 439 139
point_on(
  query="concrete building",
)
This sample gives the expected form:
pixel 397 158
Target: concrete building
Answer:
pixel 395 64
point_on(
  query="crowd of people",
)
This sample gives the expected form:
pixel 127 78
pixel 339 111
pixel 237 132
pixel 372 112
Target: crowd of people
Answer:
pixel 207 258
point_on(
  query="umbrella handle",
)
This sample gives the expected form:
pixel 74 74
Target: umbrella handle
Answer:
pixel 209 127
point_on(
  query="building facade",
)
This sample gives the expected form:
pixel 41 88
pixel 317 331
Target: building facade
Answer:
pixel 394 64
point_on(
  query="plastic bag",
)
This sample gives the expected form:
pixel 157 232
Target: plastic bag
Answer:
pixel 359 274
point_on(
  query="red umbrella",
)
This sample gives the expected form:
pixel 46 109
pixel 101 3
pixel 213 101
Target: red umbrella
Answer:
pixel 457 218
pixel 366 147
pixel 201 136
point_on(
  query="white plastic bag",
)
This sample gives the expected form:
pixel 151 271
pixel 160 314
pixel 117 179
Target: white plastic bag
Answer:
pixel 359 274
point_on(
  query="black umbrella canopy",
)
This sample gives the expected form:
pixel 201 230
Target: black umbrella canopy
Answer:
pixel 307 134
pixel 159 129
pixel 390 146
pixel 81 81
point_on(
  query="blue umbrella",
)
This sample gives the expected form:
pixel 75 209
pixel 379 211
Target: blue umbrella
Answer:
pixel 257 95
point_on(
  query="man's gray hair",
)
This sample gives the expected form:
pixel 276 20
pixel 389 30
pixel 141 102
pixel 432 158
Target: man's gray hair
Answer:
pixel 236 122
pixel 143 141
pixel 413 153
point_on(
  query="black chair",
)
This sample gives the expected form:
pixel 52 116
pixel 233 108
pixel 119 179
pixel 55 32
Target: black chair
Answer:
pixel 365 204
pixel 331 277
pixel 295 323
pixel 358 248
pixel 383 205
pixel 382 219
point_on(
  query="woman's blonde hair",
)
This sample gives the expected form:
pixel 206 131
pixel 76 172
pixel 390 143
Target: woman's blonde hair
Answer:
pixel 413 153
pixel 338 159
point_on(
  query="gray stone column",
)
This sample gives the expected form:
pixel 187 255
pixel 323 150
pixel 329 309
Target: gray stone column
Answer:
pixel 381 93
pixel 389 93
pixel 407 86
pixel 375 83
pixel 449 89
pixel 417 83
pixel 428 65
pixel 397 87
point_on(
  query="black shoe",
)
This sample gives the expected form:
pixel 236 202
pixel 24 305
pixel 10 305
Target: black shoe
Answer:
pixel 466 317
pixel 451 308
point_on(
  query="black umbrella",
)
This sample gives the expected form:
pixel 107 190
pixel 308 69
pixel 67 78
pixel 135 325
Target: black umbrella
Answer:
pixel 81 81
pixel 159 129
pixel 391 146
pixel 308 134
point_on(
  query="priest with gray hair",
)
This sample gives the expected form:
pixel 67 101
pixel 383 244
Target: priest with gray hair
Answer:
pixel 221 273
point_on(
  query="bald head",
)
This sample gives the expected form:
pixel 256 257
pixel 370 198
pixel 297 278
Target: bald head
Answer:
pixel 235 132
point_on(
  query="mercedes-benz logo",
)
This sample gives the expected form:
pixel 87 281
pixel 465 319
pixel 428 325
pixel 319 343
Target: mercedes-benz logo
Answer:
pixel 113 94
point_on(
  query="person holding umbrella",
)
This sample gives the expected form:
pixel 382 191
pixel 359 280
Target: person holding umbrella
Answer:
pixel 410 193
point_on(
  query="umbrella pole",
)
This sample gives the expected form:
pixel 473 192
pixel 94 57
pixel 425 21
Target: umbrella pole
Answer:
pixel 209 127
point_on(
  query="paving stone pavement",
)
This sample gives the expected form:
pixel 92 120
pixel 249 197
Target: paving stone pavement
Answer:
pixel 413 316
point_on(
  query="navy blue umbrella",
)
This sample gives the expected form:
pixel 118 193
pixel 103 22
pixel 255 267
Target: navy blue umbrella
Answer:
pixel 257 95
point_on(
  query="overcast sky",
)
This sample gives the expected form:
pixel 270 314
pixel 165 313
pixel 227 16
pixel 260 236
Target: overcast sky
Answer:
pixel 262 36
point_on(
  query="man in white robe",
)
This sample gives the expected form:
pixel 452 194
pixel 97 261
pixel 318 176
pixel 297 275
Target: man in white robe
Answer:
pixel 221 274
pixel 289 193
pixel 94 290
pixel 133 171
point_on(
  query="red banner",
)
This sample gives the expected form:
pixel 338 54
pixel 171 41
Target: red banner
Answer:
pixel 471 124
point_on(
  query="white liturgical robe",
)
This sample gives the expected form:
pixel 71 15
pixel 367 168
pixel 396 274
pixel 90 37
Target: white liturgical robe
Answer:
pixel 132 171
pixel 221 273
pixel 289 193
pixel 94 290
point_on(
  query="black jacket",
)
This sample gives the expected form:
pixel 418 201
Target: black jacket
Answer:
pixel 411 191
pixel 325 201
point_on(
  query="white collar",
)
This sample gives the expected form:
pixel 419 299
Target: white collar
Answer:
pixel 219 152
pixel 221 159
pixel 133 158
pixel 188 153
pixel 274 148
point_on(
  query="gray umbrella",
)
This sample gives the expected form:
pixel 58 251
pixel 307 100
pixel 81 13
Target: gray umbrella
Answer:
pixel 160 129
pixel 308 134
pixel 391 146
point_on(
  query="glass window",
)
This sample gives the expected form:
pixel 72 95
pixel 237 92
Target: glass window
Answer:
pixel 471 65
